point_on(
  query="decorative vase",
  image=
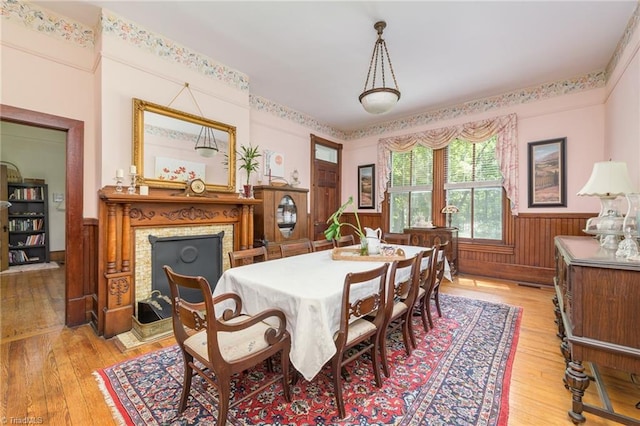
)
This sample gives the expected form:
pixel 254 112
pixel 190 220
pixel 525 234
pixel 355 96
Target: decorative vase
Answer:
pixel 247 191
pixel 364 247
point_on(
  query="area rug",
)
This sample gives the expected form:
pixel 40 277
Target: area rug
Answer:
pixel 459 374
pixel 30 267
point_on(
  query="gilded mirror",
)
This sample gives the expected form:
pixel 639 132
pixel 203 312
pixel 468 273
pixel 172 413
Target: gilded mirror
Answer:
pixel 171 147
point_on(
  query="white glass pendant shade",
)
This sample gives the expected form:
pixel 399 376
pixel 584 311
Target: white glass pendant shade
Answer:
pixel 379 101
pixel 206 152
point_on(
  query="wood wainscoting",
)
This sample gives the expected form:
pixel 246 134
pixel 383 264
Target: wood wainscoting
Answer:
pixel 528 255
pixel 531 258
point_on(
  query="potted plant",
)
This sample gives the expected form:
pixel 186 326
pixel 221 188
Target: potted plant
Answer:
pixel 248 158
pixel 333 231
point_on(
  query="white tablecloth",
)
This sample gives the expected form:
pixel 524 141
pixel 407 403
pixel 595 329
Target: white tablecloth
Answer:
pixel 308 289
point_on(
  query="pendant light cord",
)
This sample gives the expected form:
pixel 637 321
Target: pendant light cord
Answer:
pixel 186 86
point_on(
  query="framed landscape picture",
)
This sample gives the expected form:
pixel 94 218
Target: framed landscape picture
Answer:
pixel 547 173
pixel 366 186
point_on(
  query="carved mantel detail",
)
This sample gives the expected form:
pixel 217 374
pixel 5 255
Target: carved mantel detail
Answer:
pixel 191 214
pixel 119 216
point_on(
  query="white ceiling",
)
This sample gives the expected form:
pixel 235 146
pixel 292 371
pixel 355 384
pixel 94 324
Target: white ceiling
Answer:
pixel 313 57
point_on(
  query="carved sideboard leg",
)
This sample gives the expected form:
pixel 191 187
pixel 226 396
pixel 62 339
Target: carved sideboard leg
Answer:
pixel 578 382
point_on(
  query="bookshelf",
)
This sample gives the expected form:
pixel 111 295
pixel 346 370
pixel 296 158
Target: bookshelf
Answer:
pixel 28 223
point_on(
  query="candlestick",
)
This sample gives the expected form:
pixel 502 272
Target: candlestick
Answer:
pixel 119 180
pixel 132 185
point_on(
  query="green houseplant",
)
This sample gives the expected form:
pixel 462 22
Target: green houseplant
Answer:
pixel 333 231
pixel 248 159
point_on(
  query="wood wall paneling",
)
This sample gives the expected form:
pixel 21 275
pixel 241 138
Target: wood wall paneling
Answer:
pixel 527 255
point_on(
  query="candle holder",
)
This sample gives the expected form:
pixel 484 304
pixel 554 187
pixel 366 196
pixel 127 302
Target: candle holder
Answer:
pixel 132 184
pixel 119 181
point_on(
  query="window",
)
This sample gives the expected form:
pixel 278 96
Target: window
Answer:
pixel 473 183
pixel 411 188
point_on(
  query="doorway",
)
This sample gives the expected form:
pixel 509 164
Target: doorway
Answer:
pixel 326 184
pixel 75 310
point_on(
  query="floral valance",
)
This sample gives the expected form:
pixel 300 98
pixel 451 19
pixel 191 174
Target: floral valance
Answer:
pixel 504 127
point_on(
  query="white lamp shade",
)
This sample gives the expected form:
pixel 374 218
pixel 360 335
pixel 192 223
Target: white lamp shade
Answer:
pixel 204 151
pixel 608 179
pixel 379 101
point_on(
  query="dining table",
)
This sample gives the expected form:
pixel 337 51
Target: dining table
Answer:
pixel 308 288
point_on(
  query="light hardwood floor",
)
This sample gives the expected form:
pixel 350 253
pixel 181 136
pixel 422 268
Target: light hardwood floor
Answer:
pixel 46 368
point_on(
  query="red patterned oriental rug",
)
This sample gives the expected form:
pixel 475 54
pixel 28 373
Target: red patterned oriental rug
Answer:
pixel 458 375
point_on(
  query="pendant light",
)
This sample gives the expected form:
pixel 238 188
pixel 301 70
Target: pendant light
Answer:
pixel 206 145
pixel 378 100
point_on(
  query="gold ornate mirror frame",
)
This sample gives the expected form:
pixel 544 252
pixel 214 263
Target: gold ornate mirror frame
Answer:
pixel 164 141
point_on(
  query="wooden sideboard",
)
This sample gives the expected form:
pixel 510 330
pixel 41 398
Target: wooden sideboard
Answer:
pixel 597 312
pixel 427 237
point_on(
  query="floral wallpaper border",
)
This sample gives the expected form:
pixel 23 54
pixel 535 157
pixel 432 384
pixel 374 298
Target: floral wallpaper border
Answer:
pixel 165 48
pixel 42 20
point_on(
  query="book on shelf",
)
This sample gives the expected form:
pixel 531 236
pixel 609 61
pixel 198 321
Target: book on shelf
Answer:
pixel 20 256
pixel 27 194
pixel 26 225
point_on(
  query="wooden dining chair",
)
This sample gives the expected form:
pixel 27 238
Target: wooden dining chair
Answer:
pixel 399 303
pixel 345 240
pixel 427 277
pixel 395 238
pixel 227 345
pixel 296 248
pixel 432 287
pixel 321 245
pixel 357 335
pixel 439 275
pixel 248 256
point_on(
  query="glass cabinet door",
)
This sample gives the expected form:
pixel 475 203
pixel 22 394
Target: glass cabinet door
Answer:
pixel 286 216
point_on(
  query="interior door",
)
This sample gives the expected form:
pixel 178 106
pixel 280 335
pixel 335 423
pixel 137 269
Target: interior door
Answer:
pixel 4 221
pixel 326 162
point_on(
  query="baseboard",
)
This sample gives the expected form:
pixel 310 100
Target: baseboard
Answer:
pixel 58 256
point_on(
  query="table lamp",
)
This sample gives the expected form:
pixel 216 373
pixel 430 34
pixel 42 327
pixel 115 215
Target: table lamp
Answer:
pixel 608 180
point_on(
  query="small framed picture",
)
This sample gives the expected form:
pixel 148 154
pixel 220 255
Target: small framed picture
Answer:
pixel 366 186
pixel 547 173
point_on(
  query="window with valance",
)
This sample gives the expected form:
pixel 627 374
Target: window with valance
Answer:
pixel 414 152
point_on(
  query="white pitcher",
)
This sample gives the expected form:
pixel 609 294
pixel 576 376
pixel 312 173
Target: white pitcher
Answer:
pixel 373 239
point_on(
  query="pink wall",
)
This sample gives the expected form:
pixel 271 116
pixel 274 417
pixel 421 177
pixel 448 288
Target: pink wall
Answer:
pixel 74 82
pixel 622 107
pixel 578 117
pixel 32 79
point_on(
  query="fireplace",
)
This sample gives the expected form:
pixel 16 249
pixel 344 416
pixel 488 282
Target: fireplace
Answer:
pixel 124 254
pixel 198 255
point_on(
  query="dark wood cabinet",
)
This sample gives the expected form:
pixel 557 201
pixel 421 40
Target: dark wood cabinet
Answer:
pixel 28 223
pixel 281 217
pixel 596 305
pixel 427 237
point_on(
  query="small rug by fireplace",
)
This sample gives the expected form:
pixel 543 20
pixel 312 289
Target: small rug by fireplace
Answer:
pixel 459 374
